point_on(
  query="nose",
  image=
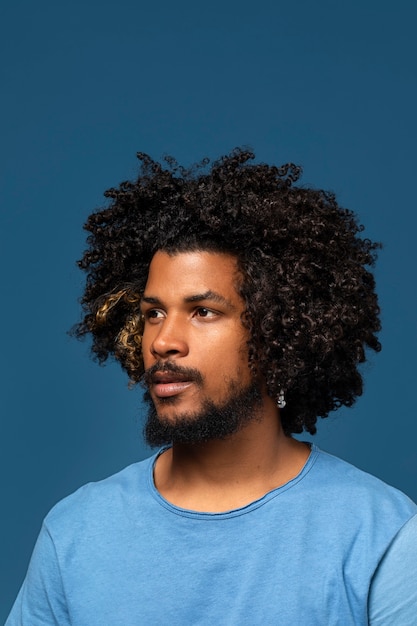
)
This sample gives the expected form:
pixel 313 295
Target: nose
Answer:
pixel 169 340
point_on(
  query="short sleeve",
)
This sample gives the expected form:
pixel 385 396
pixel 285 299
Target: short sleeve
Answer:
pixel 393 593
pixel 41 599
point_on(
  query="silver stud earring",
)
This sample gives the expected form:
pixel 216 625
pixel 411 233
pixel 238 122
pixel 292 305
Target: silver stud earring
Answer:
pixel 281 400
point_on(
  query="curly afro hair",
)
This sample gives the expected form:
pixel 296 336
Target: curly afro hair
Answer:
pixel 311 306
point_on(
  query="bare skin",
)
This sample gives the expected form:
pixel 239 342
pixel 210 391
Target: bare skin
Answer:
pixel 206 333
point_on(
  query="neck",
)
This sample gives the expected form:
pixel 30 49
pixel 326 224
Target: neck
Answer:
pixel 224 474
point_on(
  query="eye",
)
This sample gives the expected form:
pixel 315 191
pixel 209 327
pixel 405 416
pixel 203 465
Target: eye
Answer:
pixel 201 311
pixel 153 314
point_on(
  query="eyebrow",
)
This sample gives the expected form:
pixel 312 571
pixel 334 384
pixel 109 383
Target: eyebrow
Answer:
pixel 211 296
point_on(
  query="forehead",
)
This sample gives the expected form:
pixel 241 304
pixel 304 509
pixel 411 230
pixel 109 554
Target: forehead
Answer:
pixel 190 273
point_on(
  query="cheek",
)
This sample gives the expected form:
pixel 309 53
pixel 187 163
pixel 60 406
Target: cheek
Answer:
pixel 146 348
pixel 243 356
pixel 233 354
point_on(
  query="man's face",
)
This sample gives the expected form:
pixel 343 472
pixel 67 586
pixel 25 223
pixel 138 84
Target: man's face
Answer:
pixel 195 346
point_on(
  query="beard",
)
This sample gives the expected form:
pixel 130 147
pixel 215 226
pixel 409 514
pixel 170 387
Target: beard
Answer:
pixel 212 421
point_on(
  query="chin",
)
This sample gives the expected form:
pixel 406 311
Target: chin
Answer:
pixel 206 422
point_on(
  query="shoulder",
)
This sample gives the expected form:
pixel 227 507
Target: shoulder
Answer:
pixel 333 475
pixel 96 500
pixel 353 503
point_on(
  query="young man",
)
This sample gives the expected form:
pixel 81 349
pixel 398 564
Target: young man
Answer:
pixel 244 304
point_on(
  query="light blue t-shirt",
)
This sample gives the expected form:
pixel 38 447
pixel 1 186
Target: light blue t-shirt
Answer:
pixel 334 546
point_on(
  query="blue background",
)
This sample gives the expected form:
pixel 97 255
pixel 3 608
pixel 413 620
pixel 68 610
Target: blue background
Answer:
pixel 330 85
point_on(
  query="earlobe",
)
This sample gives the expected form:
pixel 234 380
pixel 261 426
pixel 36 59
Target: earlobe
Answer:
pixel 281 403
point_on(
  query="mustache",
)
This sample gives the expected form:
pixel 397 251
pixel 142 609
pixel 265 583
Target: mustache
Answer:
pixel 186 373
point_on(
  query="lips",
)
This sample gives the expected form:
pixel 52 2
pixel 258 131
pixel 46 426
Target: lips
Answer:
pixel 168 379
pixel 167 384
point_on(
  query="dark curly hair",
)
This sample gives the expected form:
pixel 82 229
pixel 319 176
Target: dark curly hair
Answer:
pixel 311 306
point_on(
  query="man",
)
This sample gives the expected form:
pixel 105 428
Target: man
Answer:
pixel 244 304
